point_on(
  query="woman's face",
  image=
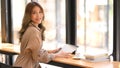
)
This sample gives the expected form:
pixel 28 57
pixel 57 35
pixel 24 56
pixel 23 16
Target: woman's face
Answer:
pixel 36 15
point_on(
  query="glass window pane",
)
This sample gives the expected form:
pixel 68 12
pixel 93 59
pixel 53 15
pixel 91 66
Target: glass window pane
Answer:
pixel 110 21
pixel 80 22
pixel 18 7
pixel 95 24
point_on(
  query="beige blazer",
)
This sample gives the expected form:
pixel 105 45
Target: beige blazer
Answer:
pixel 31 52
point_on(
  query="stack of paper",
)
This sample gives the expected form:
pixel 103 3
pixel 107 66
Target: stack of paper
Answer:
pixel 96 57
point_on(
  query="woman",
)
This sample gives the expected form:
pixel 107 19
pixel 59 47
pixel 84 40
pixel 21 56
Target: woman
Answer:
pixel 31 37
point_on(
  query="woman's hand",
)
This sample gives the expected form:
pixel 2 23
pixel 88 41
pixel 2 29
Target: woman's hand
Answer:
pixel 62 54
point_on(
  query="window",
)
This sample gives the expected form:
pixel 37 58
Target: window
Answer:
pixel 95 24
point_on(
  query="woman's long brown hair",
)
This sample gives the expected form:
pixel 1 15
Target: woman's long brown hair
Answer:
pixel 27 19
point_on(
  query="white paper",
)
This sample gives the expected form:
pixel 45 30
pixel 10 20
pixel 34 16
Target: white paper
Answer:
pixel 69 48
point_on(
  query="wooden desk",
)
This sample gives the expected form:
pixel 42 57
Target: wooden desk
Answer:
pixel 9 50
pixel 88 64
pixel 13 50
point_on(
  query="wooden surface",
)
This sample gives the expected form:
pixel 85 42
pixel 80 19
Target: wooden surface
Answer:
pixel 9 48
pixel 88 64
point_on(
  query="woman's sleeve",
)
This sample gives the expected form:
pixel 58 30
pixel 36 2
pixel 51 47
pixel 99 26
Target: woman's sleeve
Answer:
pixel 35 45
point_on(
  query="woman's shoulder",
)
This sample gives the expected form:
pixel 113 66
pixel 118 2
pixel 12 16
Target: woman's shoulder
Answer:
pixel 32 30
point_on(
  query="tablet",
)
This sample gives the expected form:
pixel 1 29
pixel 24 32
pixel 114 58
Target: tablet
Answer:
pixel 69 48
